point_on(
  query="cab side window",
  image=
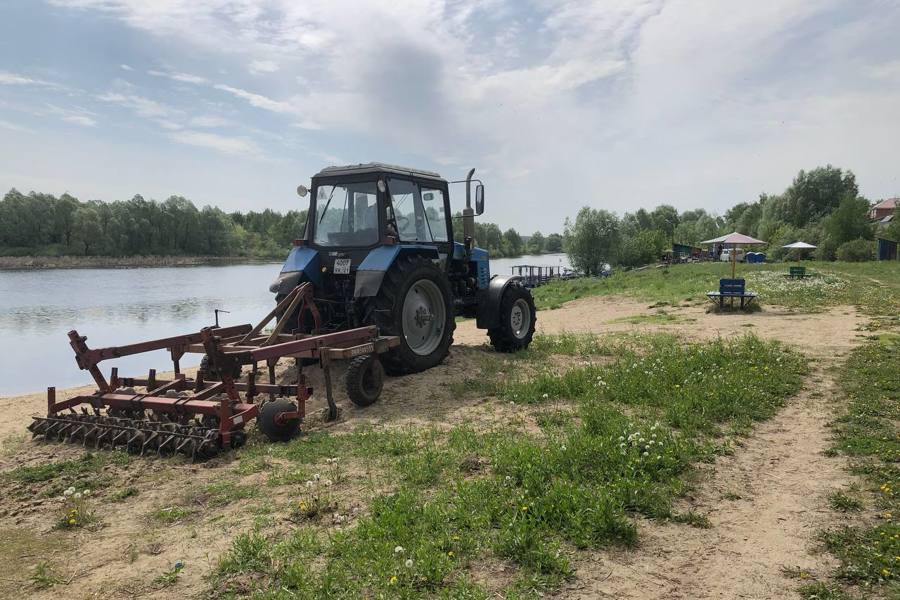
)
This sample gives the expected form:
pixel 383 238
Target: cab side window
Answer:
pixel 433 205
pixel 409 214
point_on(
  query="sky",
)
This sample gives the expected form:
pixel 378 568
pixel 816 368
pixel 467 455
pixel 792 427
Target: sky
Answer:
pixel 614 104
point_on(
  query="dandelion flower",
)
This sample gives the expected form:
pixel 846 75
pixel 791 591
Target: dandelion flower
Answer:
pixel 86 492
pixel 317 477
pixel 328 483
pixel 309 484
pixel 545 396
pixel 409 563
pixel 398 550
pixel 69 491
pixel 71 521
pixel 451 554
pixel 77 495
pixel 393 580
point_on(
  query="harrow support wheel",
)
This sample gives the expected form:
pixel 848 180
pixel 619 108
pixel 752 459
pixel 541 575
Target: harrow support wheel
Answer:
pixel 272 420
pixel 365 378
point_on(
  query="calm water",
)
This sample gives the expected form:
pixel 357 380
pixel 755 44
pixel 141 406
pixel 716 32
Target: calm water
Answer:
pixel 113 307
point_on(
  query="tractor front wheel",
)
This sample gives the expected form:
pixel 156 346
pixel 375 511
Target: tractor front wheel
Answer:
pixel 415 304
pixel 517 320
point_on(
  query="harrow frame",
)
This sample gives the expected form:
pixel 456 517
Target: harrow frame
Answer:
pixel 223 406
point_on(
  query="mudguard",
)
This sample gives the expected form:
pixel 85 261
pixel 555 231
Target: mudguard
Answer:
pixel 371 270
pixel 301 262
pixel 488 314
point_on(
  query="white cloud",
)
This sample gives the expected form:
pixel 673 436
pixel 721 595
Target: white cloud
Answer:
pixel 619 103
pixel 210 121
pixel 887 70
pixel 143 107
pixel 263 66
pixel 182 77
pixel 125 67
pixel 220 143
pixel 7 78
pixel 82 120
pixel 14 127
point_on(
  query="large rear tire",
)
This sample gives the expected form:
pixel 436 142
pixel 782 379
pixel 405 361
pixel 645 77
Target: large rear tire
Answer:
pixel 518 317
pixel 415 304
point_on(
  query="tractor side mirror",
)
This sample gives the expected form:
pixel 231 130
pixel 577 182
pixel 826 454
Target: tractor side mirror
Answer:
pixel 302 191
pixel 479 199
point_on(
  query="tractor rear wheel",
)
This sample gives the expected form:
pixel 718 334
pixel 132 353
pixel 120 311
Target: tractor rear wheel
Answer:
pixel 517 320
pixel 415 304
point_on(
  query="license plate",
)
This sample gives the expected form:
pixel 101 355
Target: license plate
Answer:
pixel 342 266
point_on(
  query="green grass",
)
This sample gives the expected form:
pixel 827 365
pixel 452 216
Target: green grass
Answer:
pixel 844 503
pixel 43 576
pixel 868 433
pixel 460 495
pixel 169 515
pixel 86 472
pixel 874 286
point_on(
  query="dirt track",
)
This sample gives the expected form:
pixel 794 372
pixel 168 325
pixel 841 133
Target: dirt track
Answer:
pixel 765 502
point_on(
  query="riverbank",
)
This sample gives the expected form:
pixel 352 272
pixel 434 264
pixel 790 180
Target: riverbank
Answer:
pixel 29 263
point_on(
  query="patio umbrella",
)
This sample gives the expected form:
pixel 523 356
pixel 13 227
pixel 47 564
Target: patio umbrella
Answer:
pixel 799 246
pixel 736 239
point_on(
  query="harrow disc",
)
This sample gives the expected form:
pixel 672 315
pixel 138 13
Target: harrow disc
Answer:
pixel 139 436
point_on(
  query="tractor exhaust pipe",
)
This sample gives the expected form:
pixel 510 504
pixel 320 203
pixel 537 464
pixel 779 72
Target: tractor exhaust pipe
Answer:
pixel 468 215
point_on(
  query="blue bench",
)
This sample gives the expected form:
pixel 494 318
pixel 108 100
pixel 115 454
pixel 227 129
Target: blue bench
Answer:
pixel 732 288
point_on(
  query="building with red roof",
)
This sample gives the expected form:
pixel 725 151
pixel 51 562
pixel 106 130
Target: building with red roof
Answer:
pixel 883 209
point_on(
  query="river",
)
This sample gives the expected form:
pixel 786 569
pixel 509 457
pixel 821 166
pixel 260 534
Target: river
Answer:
pixel 120 306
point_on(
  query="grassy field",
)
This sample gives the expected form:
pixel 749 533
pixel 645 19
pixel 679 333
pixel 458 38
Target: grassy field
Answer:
pixel 874 286
pixel 611 444
pixel 867 432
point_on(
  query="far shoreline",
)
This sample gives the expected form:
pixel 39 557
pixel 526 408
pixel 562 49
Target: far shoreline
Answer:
pixel 40 263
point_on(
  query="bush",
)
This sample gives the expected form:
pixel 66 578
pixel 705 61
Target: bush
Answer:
pixel 856 251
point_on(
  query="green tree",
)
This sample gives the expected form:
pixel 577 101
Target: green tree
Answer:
pixel 512 243
pixel 856 250
pixel 592 240
pixel 86 228
pixel 536 243
pixel 554 243
pixel 664 218
pixel 849 221
pixel 817 193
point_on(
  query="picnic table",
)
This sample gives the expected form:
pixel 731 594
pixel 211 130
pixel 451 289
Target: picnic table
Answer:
pixel 797 272
pixel 731 289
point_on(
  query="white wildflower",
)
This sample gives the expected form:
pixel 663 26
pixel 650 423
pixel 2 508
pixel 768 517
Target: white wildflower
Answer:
pixel 409 563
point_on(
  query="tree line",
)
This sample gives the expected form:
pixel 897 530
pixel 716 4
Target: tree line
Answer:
pixel 43 224
pixel 822 207
pixel 46 225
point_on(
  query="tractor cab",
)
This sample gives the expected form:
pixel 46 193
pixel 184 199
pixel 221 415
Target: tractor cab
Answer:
pixel 358 208
pixel 378 248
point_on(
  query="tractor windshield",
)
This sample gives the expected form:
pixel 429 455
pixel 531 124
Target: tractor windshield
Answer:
pixel 346 214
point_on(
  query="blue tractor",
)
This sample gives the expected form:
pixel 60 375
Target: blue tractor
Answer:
pixel 379 250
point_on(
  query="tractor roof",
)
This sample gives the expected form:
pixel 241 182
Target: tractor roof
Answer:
pixel 375 167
